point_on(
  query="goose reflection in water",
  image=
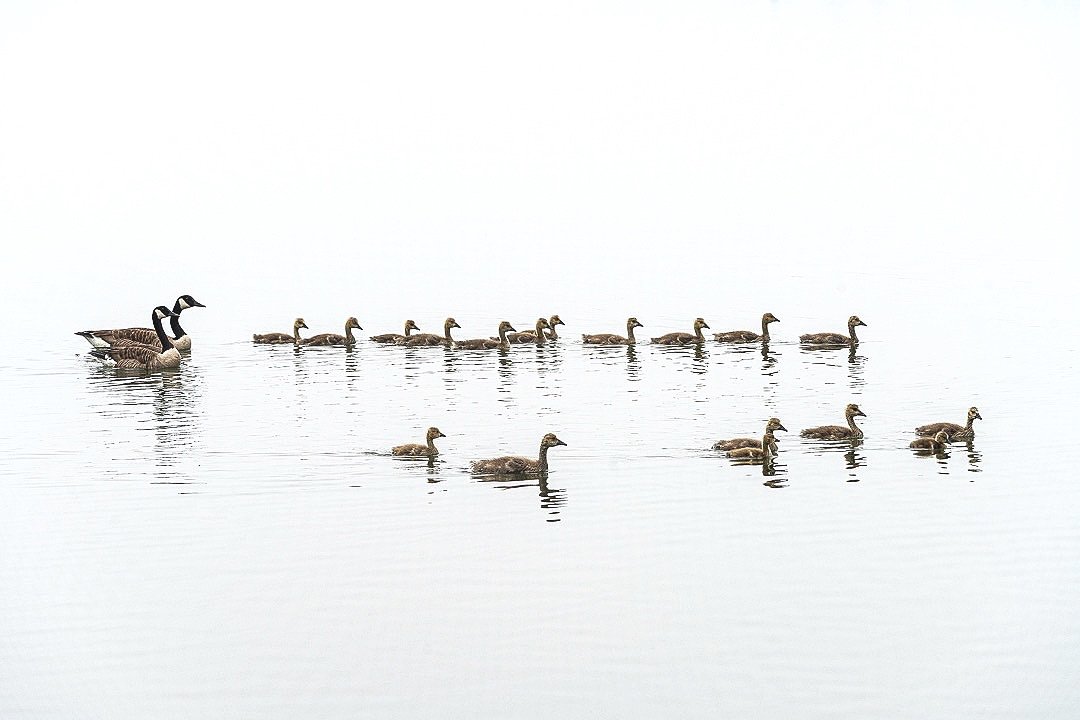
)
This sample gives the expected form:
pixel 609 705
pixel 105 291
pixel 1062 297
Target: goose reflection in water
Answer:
pixel 856 367
pixel 551 499
pixel 768 359
pixel 698 366
pixel 775 473
pixel 633 364
pixel 973 455
pixel 176 422
pixel 854 458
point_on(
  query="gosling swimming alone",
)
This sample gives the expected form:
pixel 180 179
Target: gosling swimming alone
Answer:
pixel 746 336
pixel 827 338
pixel 613 339
pixel 277 338
pixel 515 464
pixel 838 432
pixel 418 450
pixel 684 338
pixel 324 339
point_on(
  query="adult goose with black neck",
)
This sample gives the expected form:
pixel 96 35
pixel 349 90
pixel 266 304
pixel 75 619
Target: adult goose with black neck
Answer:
pixel 143 357
pixel 146 336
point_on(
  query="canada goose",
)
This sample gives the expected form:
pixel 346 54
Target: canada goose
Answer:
pixel 838 432
pixel 276 338
pixel 429 339
pixel 143 357
pixel 835 338
pixel 613 339
pixel 395 337
pixel 936 443
pixel 736 443
pixel 536 336
pixel 682 338
pixel 552 322
pixel 765 450
pixel 323 339
pixel 742 336
pixel 146 336
pixel 418 450
pixel 488 343
pixel 956 432
pixel 512 464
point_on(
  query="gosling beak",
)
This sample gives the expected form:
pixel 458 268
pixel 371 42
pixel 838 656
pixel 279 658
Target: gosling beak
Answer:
pixel 781 427
pixel 559 442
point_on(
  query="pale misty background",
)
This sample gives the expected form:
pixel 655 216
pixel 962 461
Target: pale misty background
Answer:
pixel 232 535
pixel 491 160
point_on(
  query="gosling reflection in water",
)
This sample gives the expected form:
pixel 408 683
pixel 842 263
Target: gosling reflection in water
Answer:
pixel 633 365
pixel 854 459
pixel 768 359
pixel 973 455
pixel 551 499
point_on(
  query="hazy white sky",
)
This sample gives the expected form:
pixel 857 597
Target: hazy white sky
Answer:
pixel 460 151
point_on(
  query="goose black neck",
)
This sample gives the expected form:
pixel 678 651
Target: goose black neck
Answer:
pixel 178 332
pixel 166 343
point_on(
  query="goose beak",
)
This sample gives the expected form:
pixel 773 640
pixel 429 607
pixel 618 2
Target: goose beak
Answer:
pixel 197 304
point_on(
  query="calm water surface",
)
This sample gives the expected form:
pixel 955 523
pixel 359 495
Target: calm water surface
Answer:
pixel 234 539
